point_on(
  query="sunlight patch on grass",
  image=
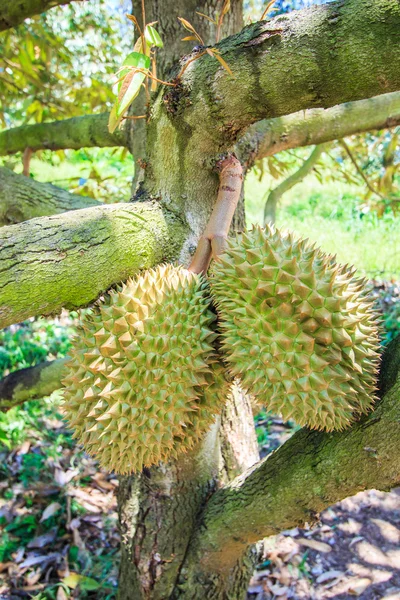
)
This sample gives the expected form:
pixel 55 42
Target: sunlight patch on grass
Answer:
pixel 334 216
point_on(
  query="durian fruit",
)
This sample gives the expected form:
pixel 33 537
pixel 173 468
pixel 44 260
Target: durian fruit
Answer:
pixel 143 382
pixel 297 328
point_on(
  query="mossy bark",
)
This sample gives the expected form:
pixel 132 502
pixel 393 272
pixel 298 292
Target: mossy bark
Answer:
pixel 31 383
pixel 72 258
pixel 13 12
pixel 320 125
pixel 74 133
pixel 306 475
pixel 22 198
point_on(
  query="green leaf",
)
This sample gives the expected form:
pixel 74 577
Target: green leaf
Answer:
pixel 152 37
pixel 74 580
pixel 128 87
pixel 129 90
pixel 136 59
pixel 113 121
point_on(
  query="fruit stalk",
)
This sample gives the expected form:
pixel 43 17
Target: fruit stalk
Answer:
pixel 213 240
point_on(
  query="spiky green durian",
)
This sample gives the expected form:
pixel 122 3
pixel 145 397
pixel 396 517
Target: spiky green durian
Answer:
pixel 143 380
pixel 297 328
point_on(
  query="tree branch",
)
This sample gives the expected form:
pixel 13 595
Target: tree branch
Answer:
pixel 31 383
pixel 22 198
pixel 310 472
pixel 12 13
pixel 287 184
pixel 79 132
pixel 359 170
pixel 68 260
pixel 313 58
pixel 319 125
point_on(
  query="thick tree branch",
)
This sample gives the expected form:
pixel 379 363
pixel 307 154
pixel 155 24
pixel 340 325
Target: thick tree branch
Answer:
pixel 319 125
pixel 287 184
pixel 307 474
pixel 13 12
pixel 22 198
pixel 31 383
pixel 265 138
pixel 68 260
pixel 79 132
pixel 313 58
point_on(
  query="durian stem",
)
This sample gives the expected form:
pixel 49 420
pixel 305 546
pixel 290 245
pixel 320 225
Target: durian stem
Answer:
pixel 213 240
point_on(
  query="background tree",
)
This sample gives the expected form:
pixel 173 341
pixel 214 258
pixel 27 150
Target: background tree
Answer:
pixel 305 78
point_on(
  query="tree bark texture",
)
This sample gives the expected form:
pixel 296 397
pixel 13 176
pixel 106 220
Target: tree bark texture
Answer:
pixel 13 12
pixel 74 133
pixel 22 198
pixel 31 383
pixel 306 53
pixel 72 258
pixel 288 489
pixel 265 138
pixel 166 14
pixel 319 125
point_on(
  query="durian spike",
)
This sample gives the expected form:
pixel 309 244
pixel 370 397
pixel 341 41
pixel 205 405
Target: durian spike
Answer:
pixel 213 240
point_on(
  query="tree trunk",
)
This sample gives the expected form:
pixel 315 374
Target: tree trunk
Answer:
pixel 159 509
pixel 159 513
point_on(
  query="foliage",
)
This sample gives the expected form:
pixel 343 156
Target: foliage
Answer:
pixel 38 57
pixel 136 69
pixel 58 511
pixel 140 65
pixel 31 342
pixel 41 512
pixel 254 9
pixel 334 215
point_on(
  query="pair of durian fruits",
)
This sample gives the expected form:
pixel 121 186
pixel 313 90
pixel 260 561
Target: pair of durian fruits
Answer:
pixel 152 363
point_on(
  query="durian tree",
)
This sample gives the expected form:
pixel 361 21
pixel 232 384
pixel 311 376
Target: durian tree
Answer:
pixel 189 525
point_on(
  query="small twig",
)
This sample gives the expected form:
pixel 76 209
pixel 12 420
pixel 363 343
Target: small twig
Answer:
pixel 143 15
pixel 185 66
pixel 267 9
pixel 26 160
pixel 145 72
pixel 360 171
pixel 212 242
pixel 134 117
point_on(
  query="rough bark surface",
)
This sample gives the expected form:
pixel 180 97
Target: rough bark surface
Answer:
pixel 159 511
pixel 77 132
pixel 307 474
pixel 166 14
pixel 305 53
pixel 13 12
pixel 22 198
pixel 319 125
pixel 31 383
pixel 74 257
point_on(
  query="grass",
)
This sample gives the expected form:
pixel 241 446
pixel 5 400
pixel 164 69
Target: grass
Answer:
pixel 332 215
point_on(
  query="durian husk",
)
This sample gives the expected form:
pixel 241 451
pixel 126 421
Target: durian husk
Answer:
pixel 144 383
pixel 298 329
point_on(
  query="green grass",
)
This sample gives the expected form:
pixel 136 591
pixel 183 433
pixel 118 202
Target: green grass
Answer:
pixel 331 214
